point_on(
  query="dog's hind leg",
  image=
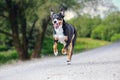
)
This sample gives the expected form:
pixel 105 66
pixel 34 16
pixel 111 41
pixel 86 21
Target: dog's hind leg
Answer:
pixel 70 51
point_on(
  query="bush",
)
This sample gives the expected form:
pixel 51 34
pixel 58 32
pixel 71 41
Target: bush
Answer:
pixel 85 24
pixel 115 37
pixel 112 24
pixel 7 56
pixel 98 32
pixel 103 32
pixel 3 48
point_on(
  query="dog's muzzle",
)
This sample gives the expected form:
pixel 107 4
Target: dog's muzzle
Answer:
pixel 55 23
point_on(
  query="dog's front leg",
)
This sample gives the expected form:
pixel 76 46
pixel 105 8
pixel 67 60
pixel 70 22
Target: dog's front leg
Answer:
pixel 55 47
pixel 64 51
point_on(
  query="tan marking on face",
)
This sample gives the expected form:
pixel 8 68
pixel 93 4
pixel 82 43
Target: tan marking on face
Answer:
pixel 60 22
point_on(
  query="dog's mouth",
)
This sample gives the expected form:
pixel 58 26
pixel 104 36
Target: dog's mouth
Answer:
pixel 56 25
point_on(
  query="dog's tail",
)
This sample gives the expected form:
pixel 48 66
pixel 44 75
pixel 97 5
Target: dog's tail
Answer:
pixel 75 37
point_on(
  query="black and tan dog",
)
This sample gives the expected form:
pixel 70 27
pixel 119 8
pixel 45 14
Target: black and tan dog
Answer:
pixel 63 33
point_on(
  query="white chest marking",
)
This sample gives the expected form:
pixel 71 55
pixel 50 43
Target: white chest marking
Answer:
pixel 59 34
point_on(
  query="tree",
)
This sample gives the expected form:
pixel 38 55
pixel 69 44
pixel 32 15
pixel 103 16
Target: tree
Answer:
pixel 20 18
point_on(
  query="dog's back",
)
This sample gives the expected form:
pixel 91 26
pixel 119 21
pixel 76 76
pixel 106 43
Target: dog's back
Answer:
pixel 70 31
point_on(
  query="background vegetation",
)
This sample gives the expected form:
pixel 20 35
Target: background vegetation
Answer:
pixel 26 30
pixel 107 28
pixel 24 23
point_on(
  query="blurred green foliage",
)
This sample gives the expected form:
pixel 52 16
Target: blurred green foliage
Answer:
pixel 115 37
pixel 88 43
pixel 97 32
pixel 25 21
pixel 107 28
pixel 97 28
pixel 82 44
pixel 85 24
pixel 8 56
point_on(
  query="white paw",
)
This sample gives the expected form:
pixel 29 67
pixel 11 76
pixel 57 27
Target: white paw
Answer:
pixel 56 53
pixel 68 63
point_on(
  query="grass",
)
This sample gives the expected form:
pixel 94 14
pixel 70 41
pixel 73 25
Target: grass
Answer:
pixel 8 56
pixel 82 44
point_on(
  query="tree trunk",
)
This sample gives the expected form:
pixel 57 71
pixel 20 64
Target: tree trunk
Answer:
pixel 24 39
pixel 13 19
pixel 38 45
pixel 40 38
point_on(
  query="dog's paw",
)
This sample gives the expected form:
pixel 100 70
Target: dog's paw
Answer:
pixel 56 53
pixel 68 62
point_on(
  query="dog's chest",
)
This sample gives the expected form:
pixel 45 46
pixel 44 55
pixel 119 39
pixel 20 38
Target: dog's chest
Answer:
pixel 60 35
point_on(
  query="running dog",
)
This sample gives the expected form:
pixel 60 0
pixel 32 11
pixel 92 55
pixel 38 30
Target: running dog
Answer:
pixel 63 33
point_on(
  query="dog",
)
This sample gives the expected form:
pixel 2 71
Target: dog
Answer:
pixel 64 33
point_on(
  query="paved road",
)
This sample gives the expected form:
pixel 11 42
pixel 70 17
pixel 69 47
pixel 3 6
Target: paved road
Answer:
pixel 98 64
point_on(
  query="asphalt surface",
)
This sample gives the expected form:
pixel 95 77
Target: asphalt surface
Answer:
pixel 97 64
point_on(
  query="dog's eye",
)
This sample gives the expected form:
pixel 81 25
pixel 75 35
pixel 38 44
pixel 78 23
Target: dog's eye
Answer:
pixel 59 18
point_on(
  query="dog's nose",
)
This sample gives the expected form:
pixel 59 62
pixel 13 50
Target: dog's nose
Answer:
pixel 55 21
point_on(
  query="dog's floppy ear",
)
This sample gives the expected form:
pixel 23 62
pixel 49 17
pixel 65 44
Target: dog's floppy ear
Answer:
pixel 51 12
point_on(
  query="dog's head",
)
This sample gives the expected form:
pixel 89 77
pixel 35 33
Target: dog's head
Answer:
pixel 57 18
